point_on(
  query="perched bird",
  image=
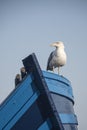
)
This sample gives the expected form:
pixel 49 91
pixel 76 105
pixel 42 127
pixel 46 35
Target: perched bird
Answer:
pixel 17 79
pixel 57 58
pixel 23 72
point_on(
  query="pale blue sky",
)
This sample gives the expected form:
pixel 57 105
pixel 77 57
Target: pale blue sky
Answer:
pixel 28 26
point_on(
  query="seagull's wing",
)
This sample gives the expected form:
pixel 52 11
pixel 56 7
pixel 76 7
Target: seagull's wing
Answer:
pixel 49 59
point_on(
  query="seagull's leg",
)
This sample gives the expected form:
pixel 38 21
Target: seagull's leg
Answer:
pixel 53 68
pixel 58 70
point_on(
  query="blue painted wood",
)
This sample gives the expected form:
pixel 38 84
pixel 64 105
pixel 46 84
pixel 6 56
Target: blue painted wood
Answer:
pixel 31 65
pixel 32 99
pixel 68 118
pixel 40 88
pixel 62 94
pixel 13 93
pixel 14 103
pixel 46 125
pixel 57 77
pixel 59 85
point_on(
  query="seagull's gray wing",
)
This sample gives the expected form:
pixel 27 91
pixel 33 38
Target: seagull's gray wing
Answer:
pixel 48 63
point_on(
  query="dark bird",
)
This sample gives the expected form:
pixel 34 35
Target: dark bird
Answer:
pixel 17 79
pixel 57 58
pixel 23 72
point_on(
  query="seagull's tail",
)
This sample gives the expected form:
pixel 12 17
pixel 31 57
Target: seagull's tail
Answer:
pixel 49 68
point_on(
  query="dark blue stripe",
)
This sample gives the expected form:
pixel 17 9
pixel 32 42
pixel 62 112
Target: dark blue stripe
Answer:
pixel 61 90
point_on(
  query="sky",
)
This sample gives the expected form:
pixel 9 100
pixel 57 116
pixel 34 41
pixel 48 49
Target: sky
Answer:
pixel 28 26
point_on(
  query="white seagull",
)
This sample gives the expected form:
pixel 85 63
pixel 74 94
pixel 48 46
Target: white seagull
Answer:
pixel 57 58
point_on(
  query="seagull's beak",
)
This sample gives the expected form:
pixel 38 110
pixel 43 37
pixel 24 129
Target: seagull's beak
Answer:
pixel 53 44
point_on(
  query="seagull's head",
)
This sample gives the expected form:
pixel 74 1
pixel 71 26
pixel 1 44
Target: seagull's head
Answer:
pixel 58 44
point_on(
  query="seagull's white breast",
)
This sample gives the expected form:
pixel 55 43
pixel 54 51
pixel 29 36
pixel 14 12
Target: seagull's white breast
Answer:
pixel 59 58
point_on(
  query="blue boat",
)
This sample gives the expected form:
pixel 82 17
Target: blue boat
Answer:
pixel 42 101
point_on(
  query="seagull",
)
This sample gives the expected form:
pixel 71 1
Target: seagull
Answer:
pixel 57 58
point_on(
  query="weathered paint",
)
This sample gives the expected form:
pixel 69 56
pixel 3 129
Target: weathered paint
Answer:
pixel 59 85
pixel 43 100
pixel 16 103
